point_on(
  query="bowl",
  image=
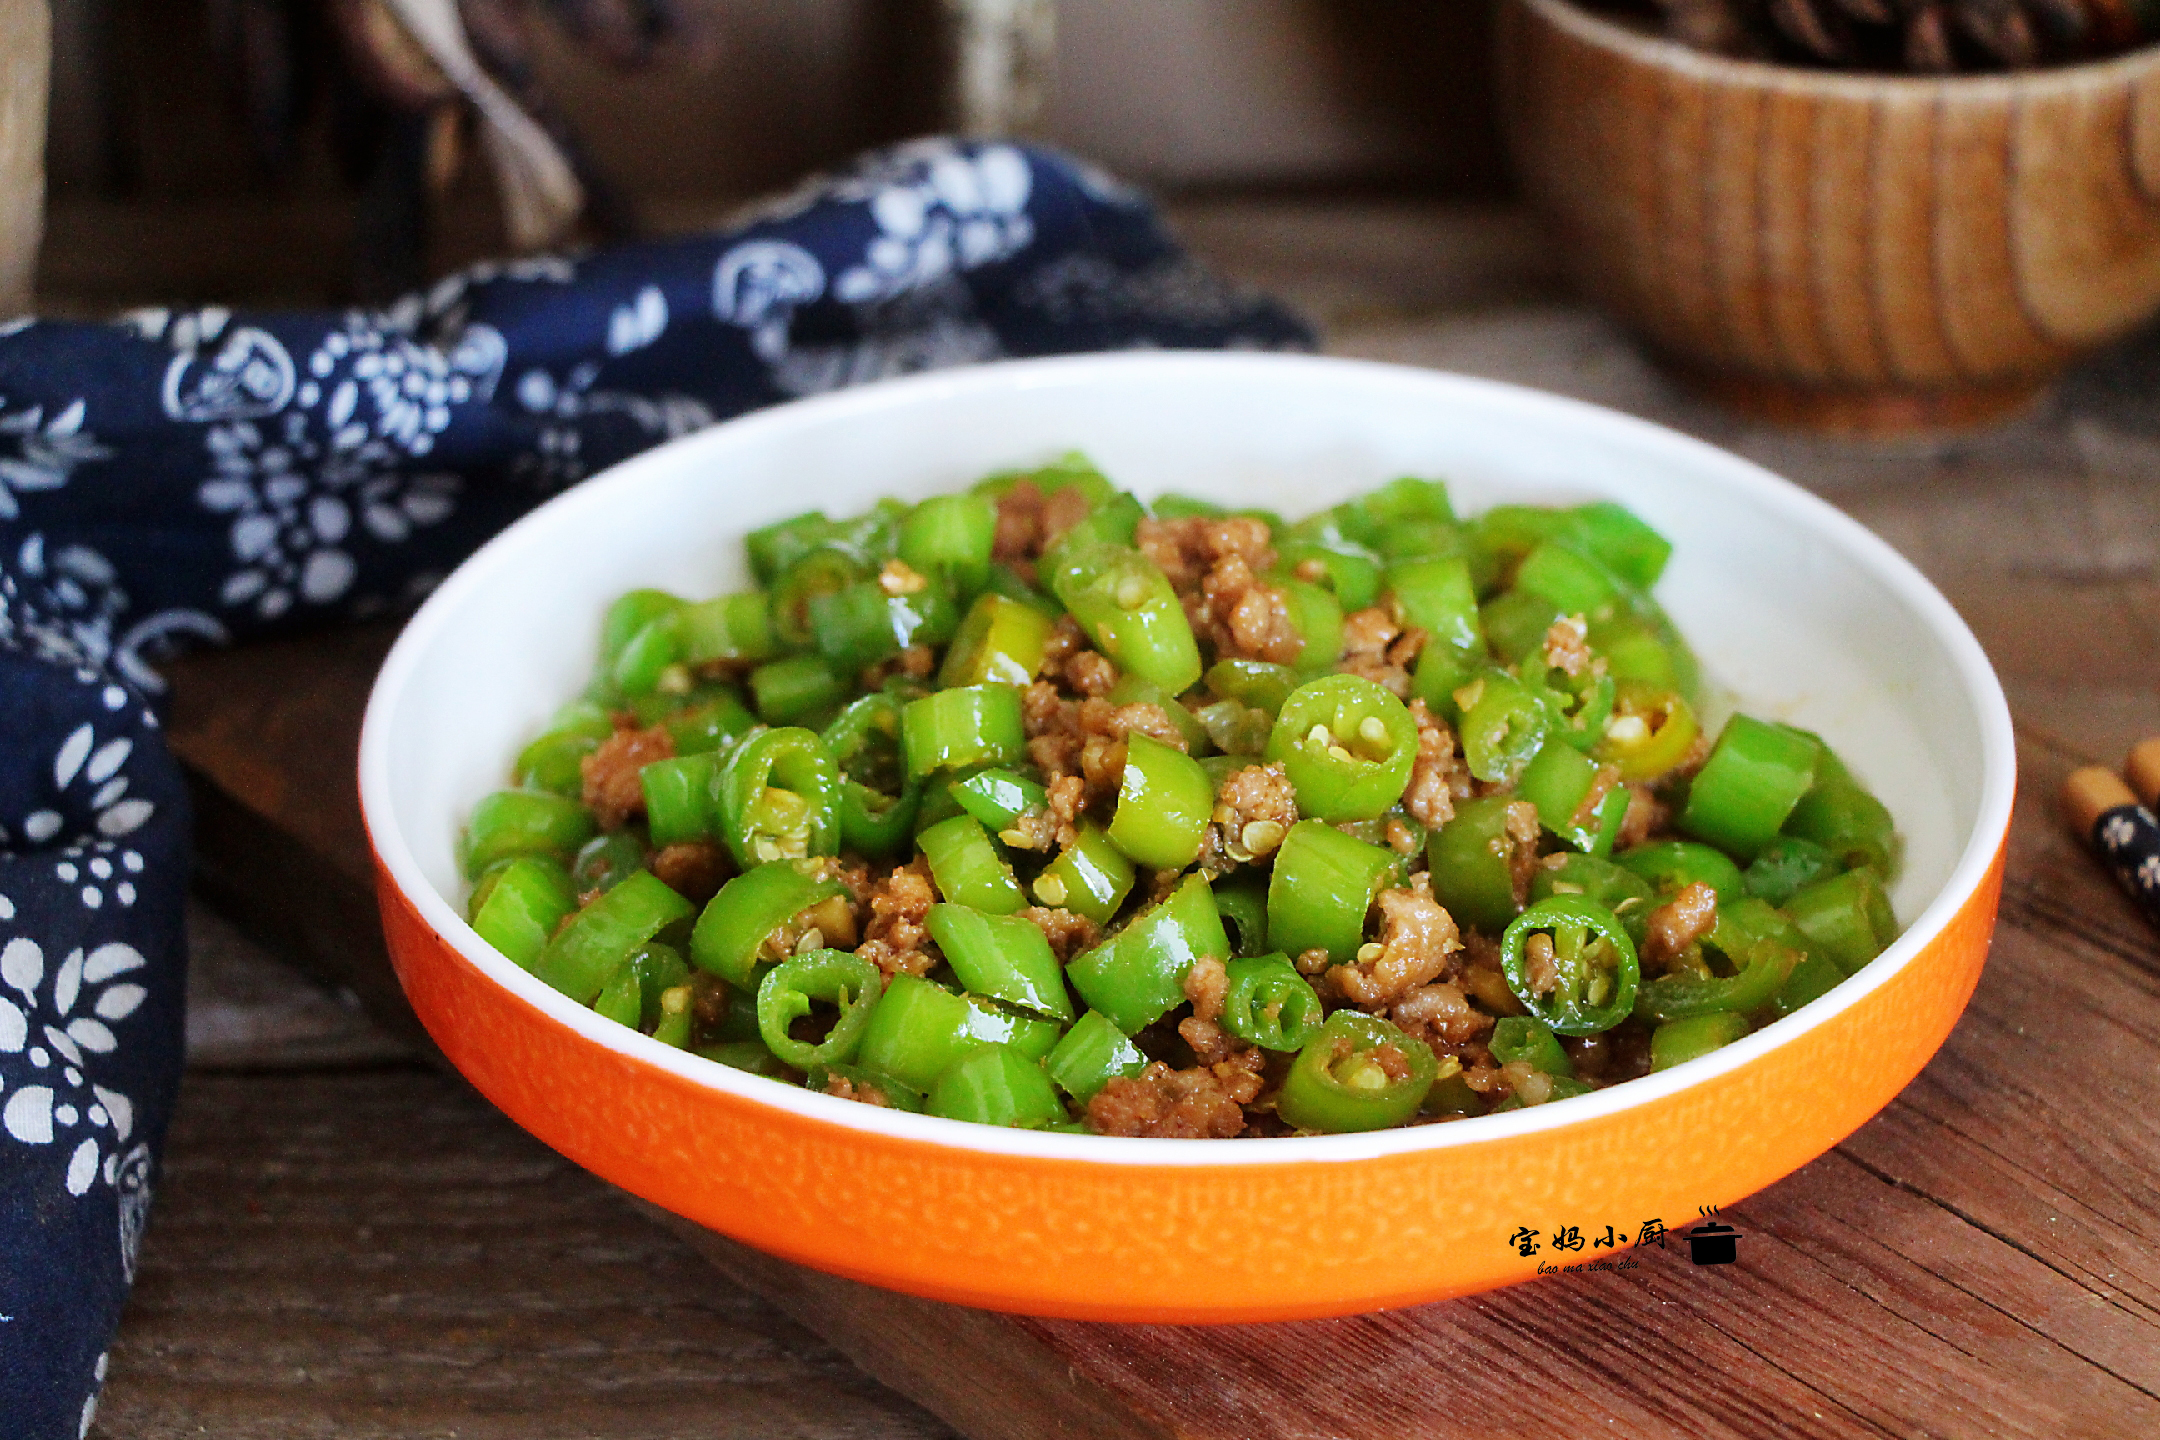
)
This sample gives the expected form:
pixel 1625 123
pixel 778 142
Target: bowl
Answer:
pixel 1791 605
pixel 1850 252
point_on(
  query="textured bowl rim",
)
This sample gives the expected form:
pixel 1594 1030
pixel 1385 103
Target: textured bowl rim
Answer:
pixel 1659 52
pixel 1805 511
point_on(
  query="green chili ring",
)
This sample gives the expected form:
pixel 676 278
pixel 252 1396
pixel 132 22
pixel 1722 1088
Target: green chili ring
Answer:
pixel 789 989
pixel 1270 1005
pixel 1591 996
pixel 779 798
pixel 1340 1082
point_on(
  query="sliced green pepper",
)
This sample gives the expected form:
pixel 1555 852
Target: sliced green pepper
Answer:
pixel 1786 865
pixel 1840 815
pixel 1091 877
pixel 1678 1041
pixel 1762 950
pixel 1003 957
pixel 1137 976
pixel 1592 958
pixel 1755 775
pixel 734 628
pixel 510 823
pixel 1618 889
pixel 968 868
pixel 789 991
pixel 999 798
pixel 801 689
pixel 585 953
pixel 1348 746
pixel 1503 723
pixel 1559 780
pixel 1471 862
pixel 1165 801
pixel 918 1029
pixel 679 798
pixel 1358 1073
pixel 1129 611
pixel 949 537
pixel 778 797
pixel 1092 1054
pixel 964 725
pixel 996 1085
pixel 1270 1005
pixel 878 798
pixel 1323 884
pixel 1848 917
pixel 730 938
pixel 1242 903
pixel 1651 731
pixel 1672 865
pixel 527 902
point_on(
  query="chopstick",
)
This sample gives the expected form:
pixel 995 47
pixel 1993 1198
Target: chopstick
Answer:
pixel 2118 820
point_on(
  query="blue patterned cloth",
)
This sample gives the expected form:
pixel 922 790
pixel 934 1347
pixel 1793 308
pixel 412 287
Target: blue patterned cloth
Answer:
pixel 213 476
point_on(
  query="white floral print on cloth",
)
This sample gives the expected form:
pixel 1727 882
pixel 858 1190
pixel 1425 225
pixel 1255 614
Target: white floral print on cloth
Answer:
pixel 207 474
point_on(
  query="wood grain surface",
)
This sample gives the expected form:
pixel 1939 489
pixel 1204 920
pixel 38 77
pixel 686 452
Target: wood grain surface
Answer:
pixel 1845 250
pixel 1982 1259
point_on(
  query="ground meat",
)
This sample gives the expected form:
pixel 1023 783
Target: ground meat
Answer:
pixel 708 1000
pixel 1067 932
pixel 1311 962
pixel 916 662
pixel 1186 550
pixel 1679 923
pixel 1027 520
pixel 1440 1015
pixel 1254 809
pixel 1375 648
pixel 1417 936
pixel 1437 778
pixel 1090 674
pixel 1541 964
pixel 694 870
pixel 1402 837
pixel 1244 619
pixel 895 940
pixel 1210 1043
pixel 611 788
pixel 863 1092
pixel 1087 737
pixel 1207 981
pixel 1567 647
pixel 1067 658
pixel 1481 976
pixel 1203 1103
pixel 1646 816
pixel 1522 834
pixel 1526 1082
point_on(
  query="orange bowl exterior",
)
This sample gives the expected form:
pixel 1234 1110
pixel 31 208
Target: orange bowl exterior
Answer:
pixel 1181 1243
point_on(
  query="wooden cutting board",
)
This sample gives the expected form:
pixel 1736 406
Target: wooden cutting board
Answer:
pixel 1983 1258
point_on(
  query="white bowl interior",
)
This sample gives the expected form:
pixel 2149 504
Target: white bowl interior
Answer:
pixel 1798 612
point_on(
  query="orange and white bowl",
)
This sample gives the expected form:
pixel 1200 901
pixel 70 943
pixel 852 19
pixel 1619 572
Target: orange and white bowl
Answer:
pixel 1795 610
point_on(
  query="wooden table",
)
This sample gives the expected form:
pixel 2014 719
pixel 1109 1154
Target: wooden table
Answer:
pixel 350 1243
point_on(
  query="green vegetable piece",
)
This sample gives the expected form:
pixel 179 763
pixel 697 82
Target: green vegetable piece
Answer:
pixel 1323 885
pixel 1002 641
pixel 1003 957
pixel 778 798
pixel 1620 541
pixel 1516 622
pixel 1137 976
pixel 672 1025
pixel 878 799
pixel 1504 722
pixel 1438 597
pixel 528 900
pixel 1620 890
pixel 1672 865
pixel 619 997
pixel 1761 948
pixel 510 823
pixel 1559 780
pixel 731 937
pixel 1132 690
pixel 1317 618
pixel 967 867
pixel 1786 865
pixel 1349 571
pixel 748 1055
pixel 736 628
pixel 1129 612
pixel 678 798
pixel 1521 1037
pixel 862 623
pixel 1255 683
pixel 1348 747
pixel 1270 1005
pixel 1092 1054
pixel 1754 777
pixel 585 953
pixel 712 724
pixel 1344 1078
pixel 919 1029
pixel 659 969
pixel 1165 801
pixel 799 690
pixel 1589 962
pixel 966 725
pixel 605 861
pixel 1091 877
pixel 1847 917
pixel 999 798
pixel 1814 977
pixel 996 1085
pixel 1678 1041
pixel 1470 861
pixel 1573 581
pixel 1840 815
pixel 1651 731
pixel 949 538
pixel 819 573
pixel 1242 903
pixel 792 988
pixel 552 762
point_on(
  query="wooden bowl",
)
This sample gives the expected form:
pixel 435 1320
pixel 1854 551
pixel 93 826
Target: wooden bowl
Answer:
pixel 1789 603
pixel 1850 252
